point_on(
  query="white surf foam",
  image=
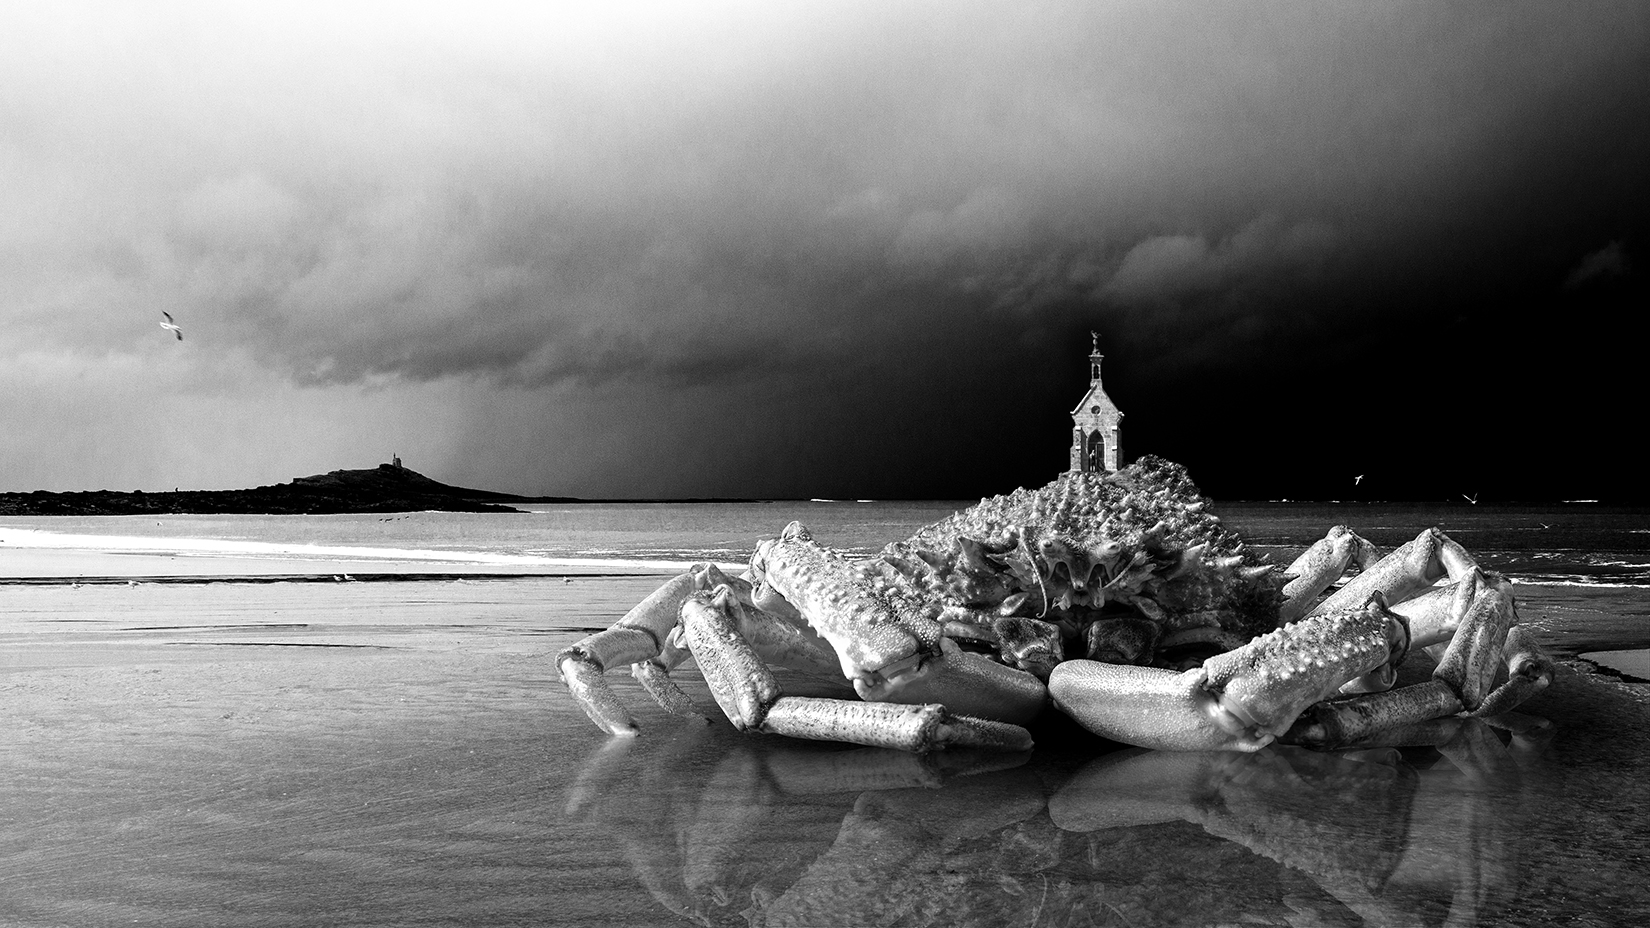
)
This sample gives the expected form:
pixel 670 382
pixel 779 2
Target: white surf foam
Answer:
pixel 1582 583
pixel 218 547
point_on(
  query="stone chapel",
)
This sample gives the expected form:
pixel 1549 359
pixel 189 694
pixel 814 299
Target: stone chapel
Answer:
pixel 1096 444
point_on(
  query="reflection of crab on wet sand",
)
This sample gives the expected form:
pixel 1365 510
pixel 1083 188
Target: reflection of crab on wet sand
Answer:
pixel 765 833
pixel 1117 598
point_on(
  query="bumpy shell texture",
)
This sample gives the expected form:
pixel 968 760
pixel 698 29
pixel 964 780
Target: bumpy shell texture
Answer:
pixel 1139 542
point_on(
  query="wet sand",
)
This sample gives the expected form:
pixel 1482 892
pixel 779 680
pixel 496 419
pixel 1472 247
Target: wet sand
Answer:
pixel 312 751
pixel 306 752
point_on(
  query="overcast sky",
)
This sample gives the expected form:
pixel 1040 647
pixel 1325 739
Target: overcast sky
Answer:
pixel 825 250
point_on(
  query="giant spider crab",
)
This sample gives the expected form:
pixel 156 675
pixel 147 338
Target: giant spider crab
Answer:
pixel 1180 638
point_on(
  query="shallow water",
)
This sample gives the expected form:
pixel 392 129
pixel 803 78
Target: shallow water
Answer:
pixel 1557 543
pixel 401 753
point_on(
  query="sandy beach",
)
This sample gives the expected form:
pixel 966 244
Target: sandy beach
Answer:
pixel 286 748
pixel 289 749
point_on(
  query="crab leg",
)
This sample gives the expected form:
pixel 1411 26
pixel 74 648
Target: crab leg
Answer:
pixel 889 655
pixel 776 638
pixel 1238 701
pixel 649 639
pixel 750 696
pixel 1529 671
pixel 1434 615
pixel 1408 571
pixel 1320 566
pixel 637 637
pixel 1469 664
pixel 1486 637
pixel 654 676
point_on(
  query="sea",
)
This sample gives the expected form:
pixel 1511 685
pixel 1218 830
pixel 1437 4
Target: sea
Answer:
pixel 1579 542
pixel 412 759
pixel 1577 551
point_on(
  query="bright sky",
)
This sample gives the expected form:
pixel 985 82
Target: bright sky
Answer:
pixel 817 250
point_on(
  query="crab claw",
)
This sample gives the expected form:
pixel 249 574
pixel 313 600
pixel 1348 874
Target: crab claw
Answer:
pixel 964 682
pixel 889 655
pixel 1237 701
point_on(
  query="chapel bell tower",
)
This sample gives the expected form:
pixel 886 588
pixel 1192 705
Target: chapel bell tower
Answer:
pixel 1096 444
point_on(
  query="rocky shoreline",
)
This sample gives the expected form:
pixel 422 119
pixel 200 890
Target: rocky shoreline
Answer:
pixel 386 488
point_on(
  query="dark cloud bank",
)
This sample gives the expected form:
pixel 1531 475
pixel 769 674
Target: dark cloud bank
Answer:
pixel 860 256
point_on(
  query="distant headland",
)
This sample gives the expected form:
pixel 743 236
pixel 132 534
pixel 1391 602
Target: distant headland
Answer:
pixel 385 488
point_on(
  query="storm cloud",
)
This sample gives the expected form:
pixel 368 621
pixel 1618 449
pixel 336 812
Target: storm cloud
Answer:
pixel 775 250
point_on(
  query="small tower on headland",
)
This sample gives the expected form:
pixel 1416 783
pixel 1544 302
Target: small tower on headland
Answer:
pixel 1096 440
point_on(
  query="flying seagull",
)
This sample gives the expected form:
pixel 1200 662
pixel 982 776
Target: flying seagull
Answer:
pixel 1358 479
pixel 170 326
pixel 1473 499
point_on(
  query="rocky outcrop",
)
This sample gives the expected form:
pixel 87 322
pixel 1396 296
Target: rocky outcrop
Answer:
pixel 386 488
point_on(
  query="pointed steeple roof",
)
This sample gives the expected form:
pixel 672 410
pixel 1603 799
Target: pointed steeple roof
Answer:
pixel 1096 395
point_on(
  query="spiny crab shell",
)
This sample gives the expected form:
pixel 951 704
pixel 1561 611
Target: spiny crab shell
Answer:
pixel 960 635
pixel 1129 567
